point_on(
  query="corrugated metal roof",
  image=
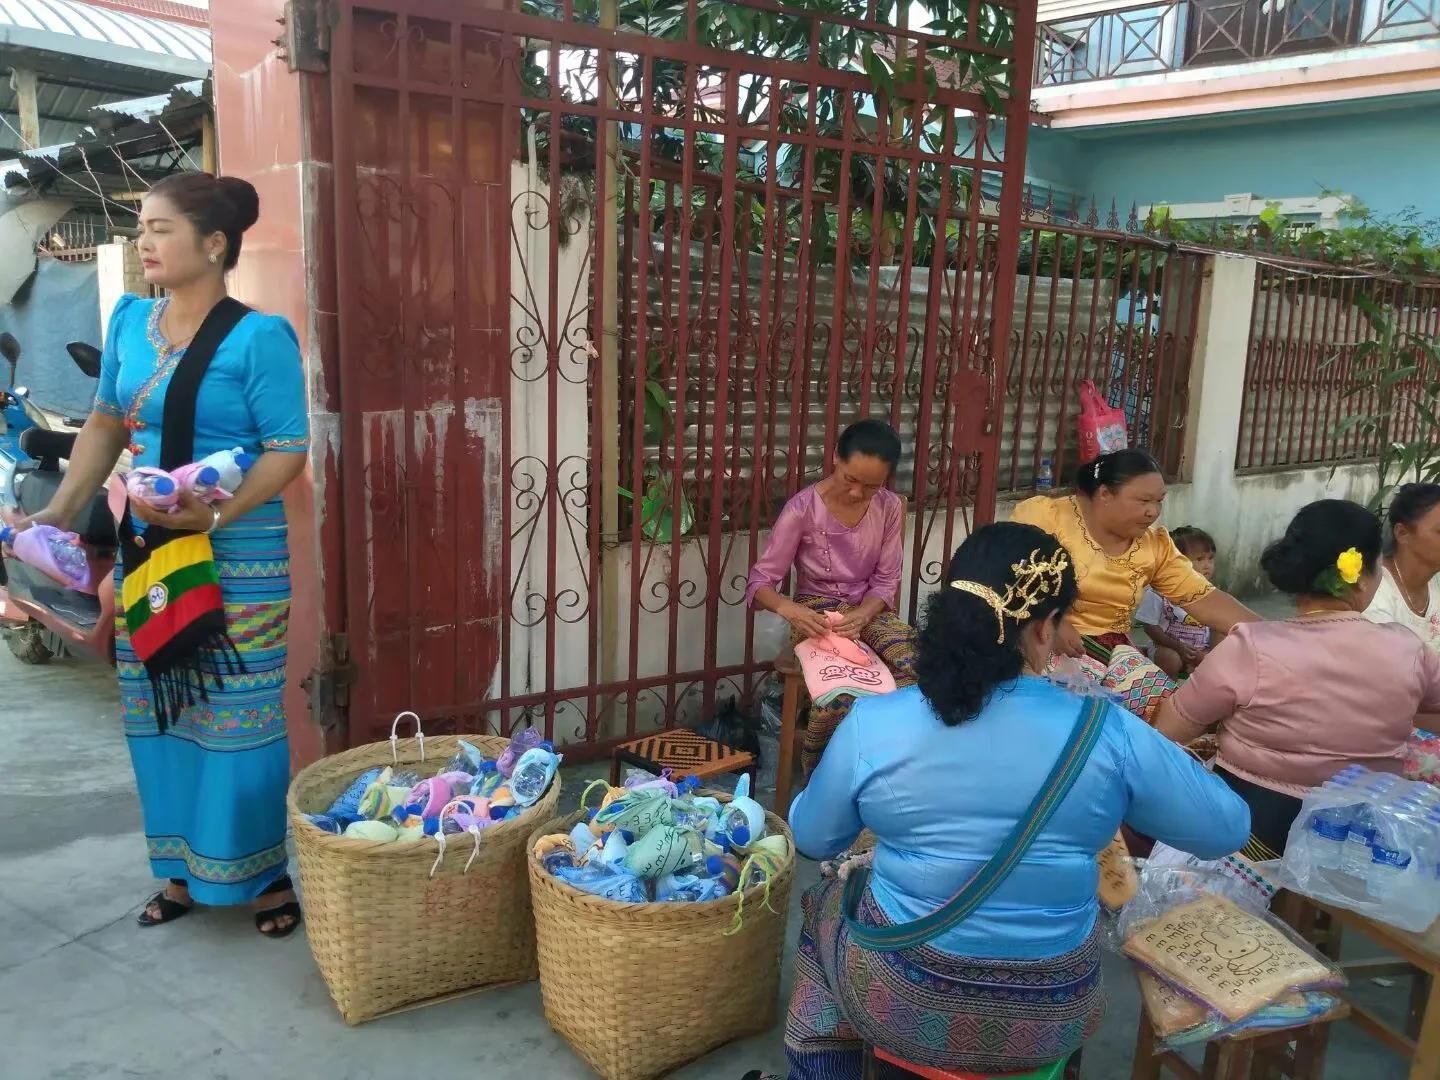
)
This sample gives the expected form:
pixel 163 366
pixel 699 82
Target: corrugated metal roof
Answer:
pixel 117 37
pixel 147 108
pixel 114 114
pixel 124 127
pixel 64 110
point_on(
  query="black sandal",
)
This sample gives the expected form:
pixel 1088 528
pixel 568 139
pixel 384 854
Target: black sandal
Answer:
pixel 169 909
pixel 290 909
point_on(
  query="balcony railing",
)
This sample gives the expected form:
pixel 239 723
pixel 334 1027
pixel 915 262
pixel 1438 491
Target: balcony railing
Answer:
pixel 1177 34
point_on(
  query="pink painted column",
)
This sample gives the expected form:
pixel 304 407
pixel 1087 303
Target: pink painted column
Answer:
pixel 262 136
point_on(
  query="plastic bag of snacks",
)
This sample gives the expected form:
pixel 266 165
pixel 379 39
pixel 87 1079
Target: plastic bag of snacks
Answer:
pixel 1235 878
pixel 1181 1021
pixel 1233 958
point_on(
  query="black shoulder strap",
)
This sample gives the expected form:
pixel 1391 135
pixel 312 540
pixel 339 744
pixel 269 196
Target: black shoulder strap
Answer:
pixel 177 437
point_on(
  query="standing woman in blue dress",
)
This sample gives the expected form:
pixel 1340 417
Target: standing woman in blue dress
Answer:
pixel 201 630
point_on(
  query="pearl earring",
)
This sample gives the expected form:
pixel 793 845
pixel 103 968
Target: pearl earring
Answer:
pixel 214 258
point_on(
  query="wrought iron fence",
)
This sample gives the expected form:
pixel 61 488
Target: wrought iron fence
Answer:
pixel 72 240
pixel 1303 377
pixel 1176 34
pixel 1114 307
pixel 555 240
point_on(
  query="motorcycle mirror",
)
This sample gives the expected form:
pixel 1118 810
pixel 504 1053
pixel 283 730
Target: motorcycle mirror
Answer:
pixel 38 418
pixel 86 357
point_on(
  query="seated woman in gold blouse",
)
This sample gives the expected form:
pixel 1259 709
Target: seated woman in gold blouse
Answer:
pixel 1109 528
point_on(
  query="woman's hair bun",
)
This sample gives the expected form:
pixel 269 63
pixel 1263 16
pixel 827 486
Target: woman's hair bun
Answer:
pixel 1287 566
pixel 242 197
pixel 966 648
pixel 1315 539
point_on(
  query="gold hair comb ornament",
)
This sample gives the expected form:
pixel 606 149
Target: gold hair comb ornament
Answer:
pixel 1036 579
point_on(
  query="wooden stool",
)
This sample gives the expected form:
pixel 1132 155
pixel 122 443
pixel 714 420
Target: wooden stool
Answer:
pixel 684 753
pixel 791 732
pixel 875 1057
pixel 1252 1054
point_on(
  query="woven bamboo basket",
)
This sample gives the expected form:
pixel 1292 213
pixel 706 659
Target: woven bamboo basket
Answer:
pixel 640 989
pixel 386 934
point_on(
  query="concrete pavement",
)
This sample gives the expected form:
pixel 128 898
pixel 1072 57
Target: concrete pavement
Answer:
pixel 85 994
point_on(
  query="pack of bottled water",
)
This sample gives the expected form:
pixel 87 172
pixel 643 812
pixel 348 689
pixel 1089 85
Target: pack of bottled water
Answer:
pixel 1369 842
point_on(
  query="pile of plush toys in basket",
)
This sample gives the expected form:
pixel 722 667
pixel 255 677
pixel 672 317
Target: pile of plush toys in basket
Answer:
pixel 657 840
pixel 469 794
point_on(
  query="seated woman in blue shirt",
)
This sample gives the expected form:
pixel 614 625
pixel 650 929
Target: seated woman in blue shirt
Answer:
pixel 943 773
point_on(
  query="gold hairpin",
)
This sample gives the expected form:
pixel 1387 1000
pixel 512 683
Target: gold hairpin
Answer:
pixel 1036 579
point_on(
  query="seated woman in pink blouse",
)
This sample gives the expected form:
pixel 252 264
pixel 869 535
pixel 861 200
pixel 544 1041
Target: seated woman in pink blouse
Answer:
pixel 844 540
pixel 1300 699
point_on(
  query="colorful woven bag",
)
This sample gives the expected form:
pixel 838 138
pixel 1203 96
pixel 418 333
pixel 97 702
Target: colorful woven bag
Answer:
pixel 1422 756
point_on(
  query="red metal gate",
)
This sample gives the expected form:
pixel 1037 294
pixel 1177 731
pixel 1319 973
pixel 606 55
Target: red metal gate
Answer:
pixel 607 297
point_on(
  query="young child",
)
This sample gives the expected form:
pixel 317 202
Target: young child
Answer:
pixel 1180 643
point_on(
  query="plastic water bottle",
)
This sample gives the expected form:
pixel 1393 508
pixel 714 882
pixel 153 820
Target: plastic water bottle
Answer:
pixel 532 775
pixel 1389 868
pixel 487 779
pixel 57 554
pixel 582 840
pixel 224 469
pixel 1355 860
pixel 612 852
pixel 1329 830
pixel 154 487
pixel 510 756
pixel 467 759
pixel 347 803
pixel 1045 475
pixel 743 820
pixel 1401 875
pixel 702 813
pixel 1432 850
pixel 1363 819
pixel 1345 777
pixel 557 859
pixel 703 859
pixel 689 888
pixel 605 882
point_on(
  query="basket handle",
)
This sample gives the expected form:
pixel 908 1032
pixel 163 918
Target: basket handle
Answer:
pixel 395 739
pixel 473 829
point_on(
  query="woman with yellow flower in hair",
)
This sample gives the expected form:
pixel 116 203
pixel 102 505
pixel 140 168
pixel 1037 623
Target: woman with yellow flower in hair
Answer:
pixel 1299 699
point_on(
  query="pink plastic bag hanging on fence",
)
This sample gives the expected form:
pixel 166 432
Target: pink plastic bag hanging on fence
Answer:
pixel 1102 426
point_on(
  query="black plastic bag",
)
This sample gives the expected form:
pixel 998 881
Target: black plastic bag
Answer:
pixel 734 727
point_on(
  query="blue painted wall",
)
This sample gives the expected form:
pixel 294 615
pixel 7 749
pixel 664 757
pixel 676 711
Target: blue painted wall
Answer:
pixel 1388 157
